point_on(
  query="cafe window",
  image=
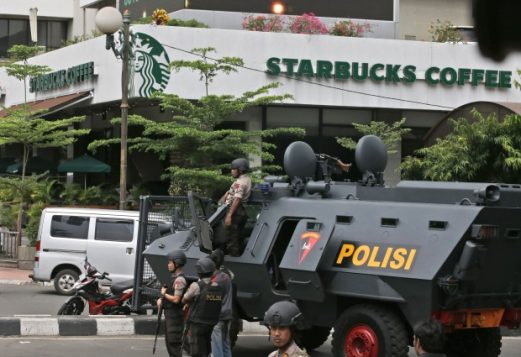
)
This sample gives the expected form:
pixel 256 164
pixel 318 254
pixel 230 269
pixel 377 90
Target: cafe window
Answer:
pixel 51 34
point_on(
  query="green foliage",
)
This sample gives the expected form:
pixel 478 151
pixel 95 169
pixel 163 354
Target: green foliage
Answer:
pixel 8 214
pixel 200 154
pixel 484 150
pixel 444 32
pixel 20 71
pixel 75 194
pixel 78 39
pixel 33 214
pixel 187 23
pixel 206 67
pixel 390 134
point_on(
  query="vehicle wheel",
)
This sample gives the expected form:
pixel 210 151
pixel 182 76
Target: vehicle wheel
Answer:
pixel 73 306
pixel 369 331
pixel 312 338
pixel 64 281
pixel 484 342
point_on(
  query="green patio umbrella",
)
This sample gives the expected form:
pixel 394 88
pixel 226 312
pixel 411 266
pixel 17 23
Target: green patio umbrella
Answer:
pixel 35 164
pixel 84 164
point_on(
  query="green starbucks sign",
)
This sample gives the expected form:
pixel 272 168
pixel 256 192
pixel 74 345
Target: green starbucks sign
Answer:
pixel 62 78
pixel 391 73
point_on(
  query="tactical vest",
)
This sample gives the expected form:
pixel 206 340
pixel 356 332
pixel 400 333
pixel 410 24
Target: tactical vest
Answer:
pixel 167 305
pixel 207 305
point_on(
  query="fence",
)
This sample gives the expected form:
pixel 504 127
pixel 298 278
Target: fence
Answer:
pixel 8 247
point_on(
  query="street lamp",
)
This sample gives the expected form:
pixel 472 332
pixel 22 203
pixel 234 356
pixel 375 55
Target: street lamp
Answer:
pixel 109 20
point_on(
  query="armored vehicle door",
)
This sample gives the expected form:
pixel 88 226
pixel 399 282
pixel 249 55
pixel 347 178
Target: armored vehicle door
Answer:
pixel 202 228
pixel 302 257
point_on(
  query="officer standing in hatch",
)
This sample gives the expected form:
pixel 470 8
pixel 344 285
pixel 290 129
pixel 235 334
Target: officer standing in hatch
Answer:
pixel 235 198
pixel 171 296
pixel 283 319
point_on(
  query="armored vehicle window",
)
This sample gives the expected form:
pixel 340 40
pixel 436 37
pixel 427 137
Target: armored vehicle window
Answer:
pixel 442 225
pixel 70 227
pixel 344 219
pixel 116 230
pixel 389 222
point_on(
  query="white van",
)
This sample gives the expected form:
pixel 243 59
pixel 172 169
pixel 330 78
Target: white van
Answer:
pixel 67 235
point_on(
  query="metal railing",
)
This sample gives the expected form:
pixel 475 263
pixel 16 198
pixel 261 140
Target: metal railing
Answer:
pixel 8 246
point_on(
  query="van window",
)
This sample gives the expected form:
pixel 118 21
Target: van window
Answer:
pixel 116 230
pixel 70 227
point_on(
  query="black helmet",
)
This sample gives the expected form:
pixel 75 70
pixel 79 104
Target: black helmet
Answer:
pixel 218 257
pixel 283 314
pixel 178 257
pixel 241 164
pixel 205 266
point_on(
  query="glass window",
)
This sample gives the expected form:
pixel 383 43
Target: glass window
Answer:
pixel 282 117
pixel 116 230
pixel 42 33
pixel 4 33
pixel 70 227
pixel 18 32
pixel 56 34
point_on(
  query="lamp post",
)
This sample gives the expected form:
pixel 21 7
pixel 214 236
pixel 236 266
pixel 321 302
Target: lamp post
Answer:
pixel 109 20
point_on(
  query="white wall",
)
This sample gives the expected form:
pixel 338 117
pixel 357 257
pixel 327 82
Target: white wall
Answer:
pixel 416 16
pixel 46 8
pixel 256 47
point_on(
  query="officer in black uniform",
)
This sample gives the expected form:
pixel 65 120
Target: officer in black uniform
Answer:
pixel 205 300
pixel 171 297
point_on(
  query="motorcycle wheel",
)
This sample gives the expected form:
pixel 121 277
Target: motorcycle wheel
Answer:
pixel 73 306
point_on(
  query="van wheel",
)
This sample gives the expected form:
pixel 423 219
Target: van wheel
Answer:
pixel 64 281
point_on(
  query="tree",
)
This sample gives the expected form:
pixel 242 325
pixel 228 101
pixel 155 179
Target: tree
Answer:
pixel 485 150
pixel 197 150
pixel 23 126
pixel 390 134
pixel 23 70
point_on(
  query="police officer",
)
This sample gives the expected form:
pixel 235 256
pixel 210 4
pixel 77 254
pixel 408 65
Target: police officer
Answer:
pixel 235 198
pixel 221 344
pixel 283 318
pixel 171 296
pixel 205 300
pixel 429 339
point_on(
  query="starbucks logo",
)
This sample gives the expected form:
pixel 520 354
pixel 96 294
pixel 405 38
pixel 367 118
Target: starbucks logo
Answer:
pixel 149 70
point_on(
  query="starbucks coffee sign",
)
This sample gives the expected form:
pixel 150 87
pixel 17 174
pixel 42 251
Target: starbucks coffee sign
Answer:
pixel 390 73
pixel 60 79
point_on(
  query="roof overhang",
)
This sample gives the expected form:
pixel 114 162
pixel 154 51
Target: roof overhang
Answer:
pixel 52 105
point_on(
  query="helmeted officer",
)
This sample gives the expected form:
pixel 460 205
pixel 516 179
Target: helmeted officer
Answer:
pixel 283 318
pixel 235 198
pixel 171 297
pixel 205 300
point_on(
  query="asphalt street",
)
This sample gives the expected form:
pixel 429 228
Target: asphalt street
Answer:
pixel 29 299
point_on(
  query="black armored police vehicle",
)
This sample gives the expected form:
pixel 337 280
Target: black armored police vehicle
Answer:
pixel 363 259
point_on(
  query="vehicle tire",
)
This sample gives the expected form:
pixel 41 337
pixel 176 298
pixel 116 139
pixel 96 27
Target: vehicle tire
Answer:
pixel 483 342
pixel 368 330
pixel 73 306
pixel 312 338
pixel 64 281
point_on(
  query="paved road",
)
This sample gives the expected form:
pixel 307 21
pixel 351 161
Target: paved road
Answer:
pixel 29 299
pixel 248 346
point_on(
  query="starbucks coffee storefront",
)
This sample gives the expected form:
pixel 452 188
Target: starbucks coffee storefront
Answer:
pixel 334 81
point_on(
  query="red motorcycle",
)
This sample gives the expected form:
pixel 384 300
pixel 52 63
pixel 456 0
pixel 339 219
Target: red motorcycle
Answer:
pixel 113 302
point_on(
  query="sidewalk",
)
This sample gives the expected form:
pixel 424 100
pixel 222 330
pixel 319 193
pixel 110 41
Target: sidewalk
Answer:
pixel 14 276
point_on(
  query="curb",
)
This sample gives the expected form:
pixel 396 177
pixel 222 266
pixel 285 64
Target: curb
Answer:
pixel 93 326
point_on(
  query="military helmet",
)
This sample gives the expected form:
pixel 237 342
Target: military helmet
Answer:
pixel 283 314
pixel 241 164
pixel 205 266
pixel 178 257
pixel 217 256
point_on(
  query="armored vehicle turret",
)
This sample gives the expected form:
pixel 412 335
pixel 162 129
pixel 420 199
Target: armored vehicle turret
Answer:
pixel 368 260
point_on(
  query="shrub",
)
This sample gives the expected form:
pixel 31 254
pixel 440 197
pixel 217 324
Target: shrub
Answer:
pixel 187 23
pixel 444 32
pixel 349 28
pixel 308 24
